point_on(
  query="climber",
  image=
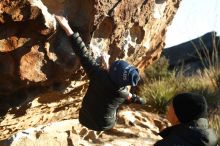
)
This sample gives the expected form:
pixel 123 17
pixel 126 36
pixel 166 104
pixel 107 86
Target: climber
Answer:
pixel 187 112
pixel 107 88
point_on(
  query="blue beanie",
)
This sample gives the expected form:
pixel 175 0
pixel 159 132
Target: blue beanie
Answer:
pixel 123 74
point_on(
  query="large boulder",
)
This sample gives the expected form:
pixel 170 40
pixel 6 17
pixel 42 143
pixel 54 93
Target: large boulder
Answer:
pixel 35 52
pixel 37 61
pixel 136 128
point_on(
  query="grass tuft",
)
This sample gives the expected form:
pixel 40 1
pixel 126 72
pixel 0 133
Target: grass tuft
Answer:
pixel 160 84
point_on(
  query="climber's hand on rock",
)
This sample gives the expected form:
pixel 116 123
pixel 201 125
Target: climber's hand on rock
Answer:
pixel 135 99
pixel 138 100
pixel 64 24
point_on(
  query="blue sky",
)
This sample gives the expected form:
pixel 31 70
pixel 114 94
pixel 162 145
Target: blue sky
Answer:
pixel 193 19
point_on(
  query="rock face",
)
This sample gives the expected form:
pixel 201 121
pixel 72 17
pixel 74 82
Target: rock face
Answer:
pixel 136 128
pixel 37 61
pixel 34 52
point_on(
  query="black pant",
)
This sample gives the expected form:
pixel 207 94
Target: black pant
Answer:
pixel 88 121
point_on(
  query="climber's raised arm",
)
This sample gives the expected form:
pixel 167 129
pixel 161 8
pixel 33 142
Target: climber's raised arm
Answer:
pixel 107 90
pixel 88 62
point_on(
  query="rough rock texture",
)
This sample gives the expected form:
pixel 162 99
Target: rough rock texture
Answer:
pixel 34 53
pixel 136 128
pixel 37 62
pixel 53 106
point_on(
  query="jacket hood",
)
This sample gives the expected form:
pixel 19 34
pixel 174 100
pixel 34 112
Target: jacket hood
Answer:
pixel 195 133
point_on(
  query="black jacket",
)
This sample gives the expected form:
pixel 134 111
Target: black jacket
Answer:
pixel 103 97
pixel 195 133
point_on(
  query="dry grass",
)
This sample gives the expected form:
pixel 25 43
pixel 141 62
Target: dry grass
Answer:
pixel 160 84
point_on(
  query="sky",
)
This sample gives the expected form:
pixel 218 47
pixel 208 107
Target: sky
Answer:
pixel 193 19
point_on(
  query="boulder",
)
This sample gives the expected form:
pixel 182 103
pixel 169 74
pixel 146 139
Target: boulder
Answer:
pixel 133 128
pixel 39 70
pixel 34 51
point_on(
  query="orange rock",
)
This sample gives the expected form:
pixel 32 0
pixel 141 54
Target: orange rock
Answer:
pixel 36 59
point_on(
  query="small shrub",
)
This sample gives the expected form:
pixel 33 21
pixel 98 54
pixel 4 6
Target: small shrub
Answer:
pixel 158 70
pixel 157 95
pixel 160 85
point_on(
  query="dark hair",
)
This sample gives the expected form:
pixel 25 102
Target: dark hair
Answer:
pixel 189 107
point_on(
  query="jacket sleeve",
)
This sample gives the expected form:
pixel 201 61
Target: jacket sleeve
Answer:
pixel 162 143
pixel 124 93
pixel 87 61
pixel 172 141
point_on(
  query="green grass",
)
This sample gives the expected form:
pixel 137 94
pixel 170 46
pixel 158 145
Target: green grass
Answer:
pixel 160 85
pixel 212 74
